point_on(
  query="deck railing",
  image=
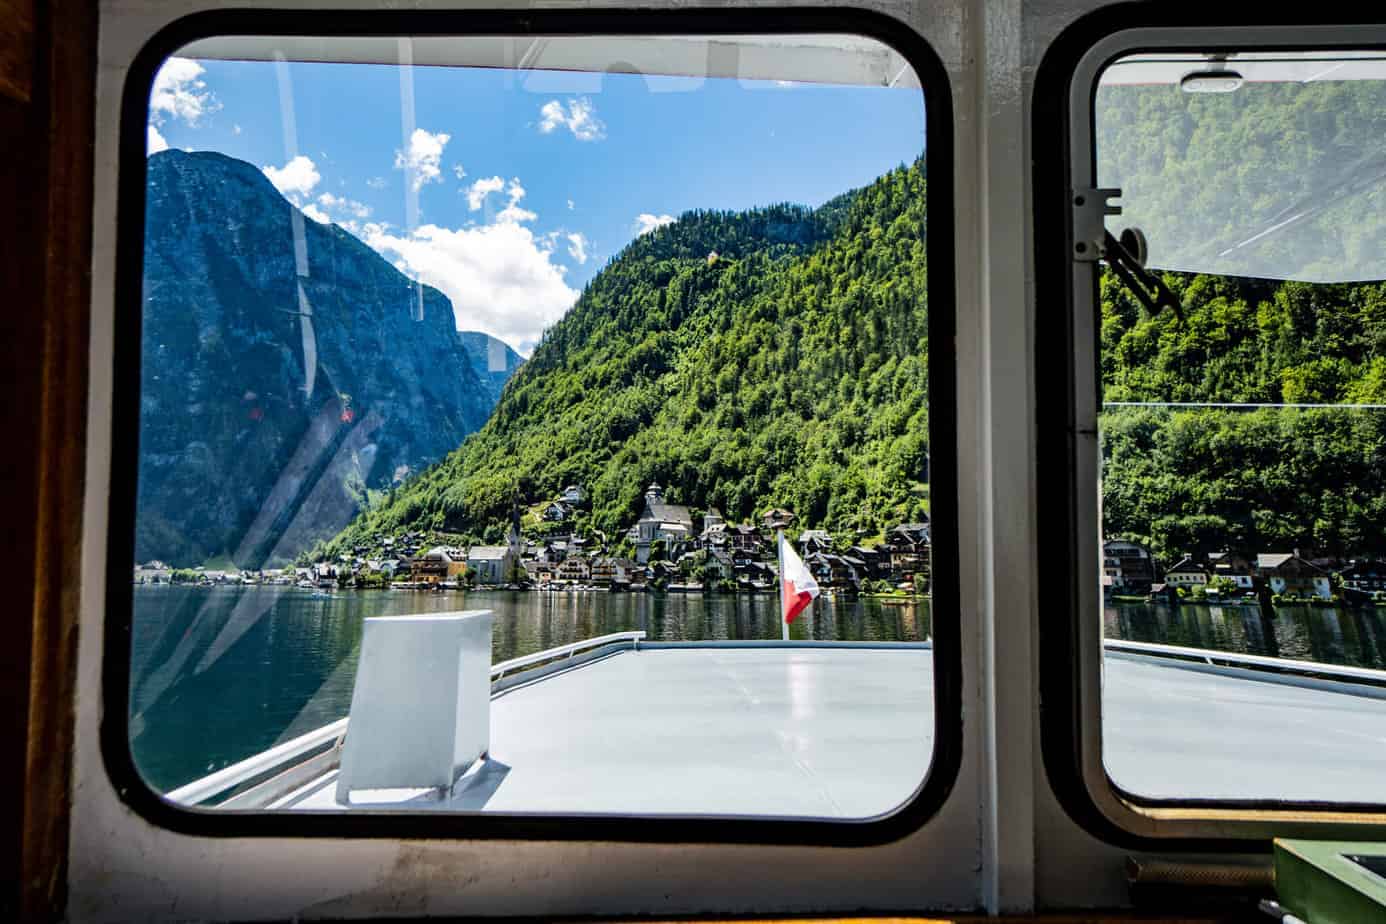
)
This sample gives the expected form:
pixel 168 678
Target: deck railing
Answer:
pixel 1231 659
pixel 565 651
pixel 276 759
pixel 273 766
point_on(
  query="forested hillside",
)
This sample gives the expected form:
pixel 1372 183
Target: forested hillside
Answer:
pixel 1203 479
pixel 789 369
pixel 1202 173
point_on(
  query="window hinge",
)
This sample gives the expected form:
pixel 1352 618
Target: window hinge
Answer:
pixel 1090 210
pixel 1125 255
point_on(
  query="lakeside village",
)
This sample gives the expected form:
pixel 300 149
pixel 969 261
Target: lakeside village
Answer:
pixel 1130 572
pixel 662 551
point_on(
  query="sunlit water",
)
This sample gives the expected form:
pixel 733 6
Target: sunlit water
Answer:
pixel 222 673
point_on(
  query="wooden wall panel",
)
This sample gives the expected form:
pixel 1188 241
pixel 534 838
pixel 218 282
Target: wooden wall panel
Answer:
pixel 17 49
pixel 46 138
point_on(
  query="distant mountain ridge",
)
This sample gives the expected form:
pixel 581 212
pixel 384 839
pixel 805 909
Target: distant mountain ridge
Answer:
pixel 495 362
pixel 287 369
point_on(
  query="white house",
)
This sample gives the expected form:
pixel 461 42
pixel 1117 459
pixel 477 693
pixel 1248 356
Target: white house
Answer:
pixel 491 564
pixel 1287 573
pixel 1187 573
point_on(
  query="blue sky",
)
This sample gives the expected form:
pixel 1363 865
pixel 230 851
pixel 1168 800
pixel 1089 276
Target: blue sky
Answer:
pixel 510 190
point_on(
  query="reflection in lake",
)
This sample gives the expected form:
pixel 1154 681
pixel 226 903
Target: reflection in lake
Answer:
pixel 1351 636
pixel 221 673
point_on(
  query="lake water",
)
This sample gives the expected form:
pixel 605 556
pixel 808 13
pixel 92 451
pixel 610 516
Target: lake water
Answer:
pixel 1352 636
pixel 222 673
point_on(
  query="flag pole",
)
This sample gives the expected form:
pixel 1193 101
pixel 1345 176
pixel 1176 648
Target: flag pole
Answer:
pixel 779 551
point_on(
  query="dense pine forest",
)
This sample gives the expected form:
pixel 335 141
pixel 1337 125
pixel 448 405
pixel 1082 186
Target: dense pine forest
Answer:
pixel 776 357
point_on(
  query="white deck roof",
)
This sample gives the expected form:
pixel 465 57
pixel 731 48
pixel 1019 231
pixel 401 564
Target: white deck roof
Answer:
pixel 838 733
pixel 848 732
pixel 1175 733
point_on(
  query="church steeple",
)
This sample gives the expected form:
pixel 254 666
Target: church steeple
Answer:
pixel 513 537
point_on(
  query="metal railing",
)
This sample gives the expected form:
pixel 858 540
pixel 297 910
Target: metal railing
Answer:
pixel 262 764
pixel 280 758
pixel 565 651
pixel 1214 658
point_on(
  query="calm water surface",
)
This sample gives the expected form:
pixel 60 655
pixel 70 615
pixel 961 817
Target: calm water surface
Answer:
pixel 222 673
pixel 1356 637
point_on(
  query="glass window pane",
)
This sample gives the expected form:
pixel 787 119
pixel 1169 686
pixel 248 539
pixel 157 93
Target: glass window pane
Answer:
pixel 618 340
pixel 1244 443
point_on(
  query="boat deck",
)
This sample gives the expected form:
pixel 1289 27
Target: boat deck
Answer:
pixel 839 733
pixel 1182 731
pixel 847 733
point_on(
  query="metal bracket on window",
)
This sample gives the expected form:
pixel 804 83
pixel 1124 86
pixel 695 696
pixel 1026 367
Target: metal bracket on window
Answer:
pixel 1126 256
pixel 1090 209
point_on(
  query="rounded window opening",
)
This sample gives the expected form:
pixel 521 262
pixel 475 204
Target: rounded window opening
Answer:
pixel 534 425
pixel 1243 426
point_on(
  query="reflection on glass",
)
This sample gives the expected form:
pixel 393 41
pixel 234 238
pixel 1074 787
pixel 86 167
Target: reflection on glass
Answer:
pixel 1278 176
pixel 1244 445
pixel 566 329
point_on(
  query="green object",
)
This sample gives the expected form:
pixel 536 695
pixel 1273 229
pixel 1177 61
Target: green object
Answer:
pixel 1320 881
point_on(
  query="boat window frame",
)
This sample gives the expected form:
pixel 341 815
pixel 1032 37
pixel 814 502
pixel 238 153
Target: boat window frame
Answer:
pixel 1067 378
pixel 937 779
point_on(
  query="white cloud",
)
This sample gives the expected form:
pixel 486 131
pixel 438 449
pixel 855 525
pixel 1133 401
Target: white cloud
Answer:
pixel 155 142
pixel 343 204
pixel 297 177
pixel 480 189
pixel 580 119
pixel 422 160
pixel 181 93
pixel 577 247
pixel 500 277
pixel 317 214
pixel 551 116
pixel 512 211
pixel 235 129
pixel 458 172
pixel 570 205
pixel 376 182
pixel 645 222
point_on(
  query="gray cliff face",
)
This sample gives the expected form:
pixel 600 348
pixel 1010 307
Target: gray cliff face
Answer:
pixel 492 358
pixel 286 368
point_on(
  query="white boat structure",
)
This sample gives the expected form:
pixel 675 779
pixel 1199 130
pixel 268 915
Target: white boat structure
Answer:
pixel 622 725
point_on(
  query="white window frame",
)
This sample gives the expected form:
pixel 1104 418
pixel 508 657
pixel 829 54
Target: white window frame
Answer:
pixel 1199 819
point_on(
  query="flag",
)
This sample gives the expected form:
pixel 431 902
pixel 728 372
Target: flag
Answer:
pixel 797 586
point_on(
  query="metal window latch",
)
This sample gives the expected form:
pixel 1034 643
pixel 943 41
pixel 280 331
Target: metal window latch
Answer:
pixel 1125 255
pixel 1090 209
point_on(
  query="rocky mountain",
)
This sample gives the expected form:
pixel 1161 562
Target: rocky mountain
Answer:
pixel 287 371
pixel 495 362
pixel 775 357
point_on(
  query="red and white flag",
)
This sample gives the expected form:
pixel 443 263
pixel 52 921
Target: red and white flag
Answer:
pixel 797 586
